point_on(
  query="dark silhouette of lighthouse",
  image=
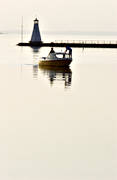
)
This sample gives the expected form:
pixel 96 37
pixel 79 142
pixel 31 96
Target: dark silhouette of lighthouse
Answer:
pixel 36 36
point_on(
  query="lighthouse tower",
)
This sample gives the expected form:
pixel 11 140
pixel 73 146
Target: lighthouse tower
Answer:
pixel 36 36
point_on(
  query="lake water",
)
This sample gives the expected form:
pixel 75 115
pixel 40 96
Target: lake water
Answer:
pixel 57 124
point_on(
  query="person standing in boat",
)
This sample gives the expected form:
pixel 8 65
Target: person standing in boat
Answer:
pixel 70 51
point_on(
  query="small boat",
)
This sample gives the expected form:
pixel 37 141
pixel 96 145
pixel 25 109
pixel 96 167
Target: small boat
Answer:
pixel 57 59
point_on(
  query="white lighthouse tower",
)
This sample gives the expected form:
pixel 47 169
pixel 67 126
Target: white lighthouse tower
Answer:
pixel 36 36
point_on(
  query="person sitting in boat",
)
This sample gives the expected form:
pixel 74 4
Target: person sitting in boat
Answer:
pixel 51 51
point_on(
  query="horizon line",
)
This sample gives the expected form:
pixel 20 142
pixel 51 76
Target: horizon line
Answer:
pixel 74 32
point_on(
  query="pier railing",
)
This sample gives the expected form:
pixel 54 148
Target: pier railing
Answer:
pixel 86 41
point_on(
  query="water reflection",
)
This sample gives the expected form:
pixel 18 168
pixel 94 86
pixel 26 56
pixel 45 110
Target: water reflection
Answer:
pixel 35 51
pixel 58 74
pixel 35 71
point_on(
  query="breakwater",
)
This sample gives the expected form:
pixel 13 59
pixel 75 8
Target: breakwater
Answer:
pixel 73 44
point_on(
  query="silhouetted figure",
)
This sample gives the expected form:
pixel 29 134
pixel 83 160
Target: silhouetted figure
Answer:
pixel 51 51
pixel 70 51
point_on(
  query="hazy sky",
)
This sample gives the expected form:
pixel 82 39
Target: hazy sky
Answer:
pixel 76 15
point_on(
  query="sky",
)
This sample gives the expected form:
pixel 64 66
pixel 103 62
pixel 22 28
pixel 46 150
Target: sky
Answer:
pixel 59 15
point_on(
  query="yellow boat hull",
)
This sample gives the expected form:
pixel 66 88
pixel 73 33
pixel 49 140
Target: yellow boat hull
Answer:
pixel 56 63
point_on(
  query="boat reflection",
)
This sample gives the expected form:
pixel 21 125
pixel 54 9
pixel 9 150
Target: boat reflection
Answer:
pixel 58 74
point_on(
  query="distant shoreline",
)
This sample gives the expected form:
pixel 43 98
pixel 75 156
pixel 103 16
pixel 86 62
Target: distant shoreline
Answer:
pixel 1 33
pixel 84 33
pixel 65 32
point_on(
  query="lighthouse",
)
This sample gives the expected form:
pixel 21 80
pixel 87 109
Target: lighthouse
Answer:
pixel 36 36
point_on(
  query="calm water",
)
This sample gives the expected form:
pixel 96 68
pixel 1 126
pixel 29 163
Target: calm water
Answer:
pixel 57 124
